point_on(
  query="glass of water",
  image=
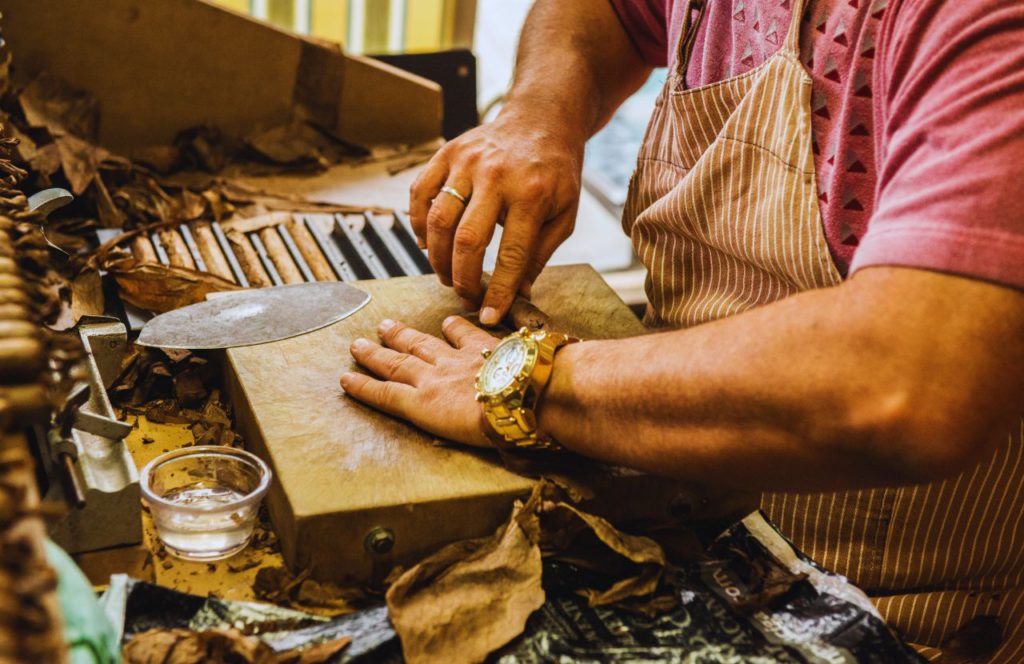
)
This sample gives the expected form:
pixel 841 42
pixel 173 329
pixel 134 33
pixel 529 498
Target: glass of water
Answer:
pixel 204 499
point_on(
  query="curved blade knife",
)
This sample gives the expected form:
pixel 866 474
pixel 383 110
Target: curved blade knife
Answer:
pixel 257 316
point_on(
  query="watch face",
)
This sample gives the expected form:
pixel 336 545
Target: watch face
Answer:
pixel 504 364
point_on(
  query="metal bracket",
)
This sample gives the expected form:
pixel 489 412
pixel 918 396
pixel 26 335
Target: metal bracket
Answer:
pixel 88 454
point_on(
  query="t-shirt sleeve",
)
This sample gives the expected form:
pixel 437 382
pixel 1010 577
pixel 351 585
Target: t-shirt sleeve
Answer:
pixel 646 23
pixel 950 123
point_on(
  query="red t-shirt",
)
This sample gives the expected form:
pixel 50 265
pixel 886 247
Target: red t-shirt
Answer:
pixel 917 113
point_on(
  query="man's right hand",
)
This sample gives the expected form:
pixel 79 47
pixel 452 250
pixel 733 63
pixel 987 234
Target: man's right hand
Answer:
pixel 522 171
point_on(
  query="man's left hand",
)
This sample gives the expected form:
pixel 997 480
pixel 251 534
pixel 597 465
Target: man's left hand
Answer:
pixel 424 379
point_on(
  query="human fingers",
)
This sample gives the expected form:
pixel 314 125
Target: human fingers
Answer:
pixel 392 398
pixel 423 191
pixel 405 339
pixel 462 334
pixel 442 218
pixel 387 363
pixel 518 242
pixel 472 236
pixel 552 235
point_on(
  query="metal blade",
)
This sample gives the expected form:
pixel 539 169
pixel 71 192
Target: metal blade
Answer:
pixel 258 316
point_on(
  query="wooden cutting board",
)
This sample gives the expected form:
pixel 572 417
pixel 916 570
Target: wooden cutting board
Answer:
pixel 346 473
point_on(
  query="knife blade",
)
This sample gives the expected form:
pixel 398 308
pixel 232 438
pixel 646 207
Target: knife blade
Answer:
pixel 257 316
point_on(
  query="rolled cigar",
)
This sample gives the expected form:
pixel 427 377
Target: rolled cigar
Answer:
pixel 522 313
pixel 248 260
pixel 8 265
pixel 257 223
pixel 310 251
pixel 143 250
pixel 21 358
pixel 177 250
pixel 279 254
pixel 211 253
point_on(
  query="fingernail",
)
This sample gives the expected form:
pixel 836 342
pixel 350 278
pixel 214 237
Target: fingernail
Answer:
pixel 360 344
pixel 386 324
pixel 489 316
pixel 346 379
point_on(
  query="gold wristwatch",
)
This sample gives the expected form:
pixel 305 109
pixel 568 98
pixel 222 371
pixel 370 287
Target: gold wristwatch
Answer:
pixel 511 382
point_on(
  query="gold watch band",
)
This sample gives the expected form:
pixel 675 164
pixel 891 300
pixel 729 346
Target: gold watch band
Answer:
pixel 512 424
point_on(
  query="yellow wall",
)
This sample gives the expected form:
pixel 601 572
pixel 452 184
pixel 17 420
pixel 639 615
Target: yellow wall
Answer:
pixel 429 24
pixel 237 5
pixel 423 22
pixel 330 20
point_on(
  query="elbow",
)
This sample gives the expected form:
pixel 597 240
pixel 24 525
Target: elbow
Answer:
pixel 913 441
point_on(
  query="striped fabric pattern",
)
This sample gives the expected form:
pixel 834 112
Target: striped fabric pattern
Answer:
pixel 723 212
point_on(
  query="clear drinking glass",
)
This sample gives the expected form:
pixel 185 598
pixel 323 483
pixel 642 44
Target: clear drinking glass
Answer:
pixel 204 499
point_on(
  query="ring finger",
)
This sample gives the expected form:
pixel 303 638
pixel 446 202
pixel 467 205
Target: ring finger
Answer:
pixel 386 363
pixel 442 219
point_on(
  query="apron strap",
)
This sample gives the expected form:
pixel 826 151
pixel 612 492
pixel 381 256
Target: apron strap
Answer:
pixel 793 35
pixel 688 37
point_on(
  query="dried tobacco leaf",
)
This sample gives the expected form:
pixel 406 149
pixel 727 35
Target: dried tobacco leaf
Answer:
pixel 159 288
pixel 645 557
pixel 471 597
pixel 278 585
pixel 295 144
pixel 80 161
pixel 474 596
pixel 50 102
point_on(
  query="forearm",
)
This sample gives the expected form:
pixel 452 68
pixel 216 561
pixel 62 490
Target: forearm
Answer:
pixel 575 65
pixel 848 387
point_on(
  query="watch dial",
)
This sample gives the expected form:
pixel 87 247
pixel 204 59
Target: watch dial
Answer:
pixel 503 365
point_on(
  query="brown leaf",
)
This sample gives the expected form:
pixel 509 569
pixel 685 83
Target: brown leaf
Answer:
pixel 182 646
pixel 159 288
pixel 189 388
pixel 46 161
pixel 295 144
pixel 644 554
pixel 80 161
pixel 315 654
pixel 471 597
pixel 109 214
pixel 50 102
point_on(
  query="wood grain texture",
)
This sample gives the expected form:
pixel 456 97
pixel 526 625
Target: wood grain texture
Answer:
pixel 343 469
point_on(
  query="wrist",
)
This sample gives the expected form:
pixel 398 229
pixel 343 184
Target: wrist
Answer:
pixel 559 407
pixel 558 120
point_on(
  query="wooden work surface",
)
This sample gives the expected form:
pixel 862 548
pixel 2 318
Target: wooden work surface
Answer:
pixel 344 470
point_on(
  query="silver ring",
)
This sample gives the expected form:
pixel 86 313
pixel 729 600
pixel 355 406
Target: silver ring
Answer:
pixel 452 191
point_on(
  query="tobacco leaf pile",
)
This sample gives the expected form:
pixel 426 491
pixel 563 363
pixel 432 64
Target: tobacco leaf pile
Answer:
pixel 221 646
pixel 54 127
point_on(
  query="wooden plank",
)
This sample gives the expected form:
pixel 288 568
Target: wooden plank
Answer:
pixel 343 469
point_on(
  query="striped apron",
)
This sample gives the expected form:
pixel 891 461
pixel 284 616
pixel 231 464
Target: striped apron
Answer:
pixel 723 212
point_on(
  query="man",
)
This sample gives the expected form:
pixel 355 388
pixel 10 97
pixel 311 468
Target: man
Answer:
pixel 830 213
